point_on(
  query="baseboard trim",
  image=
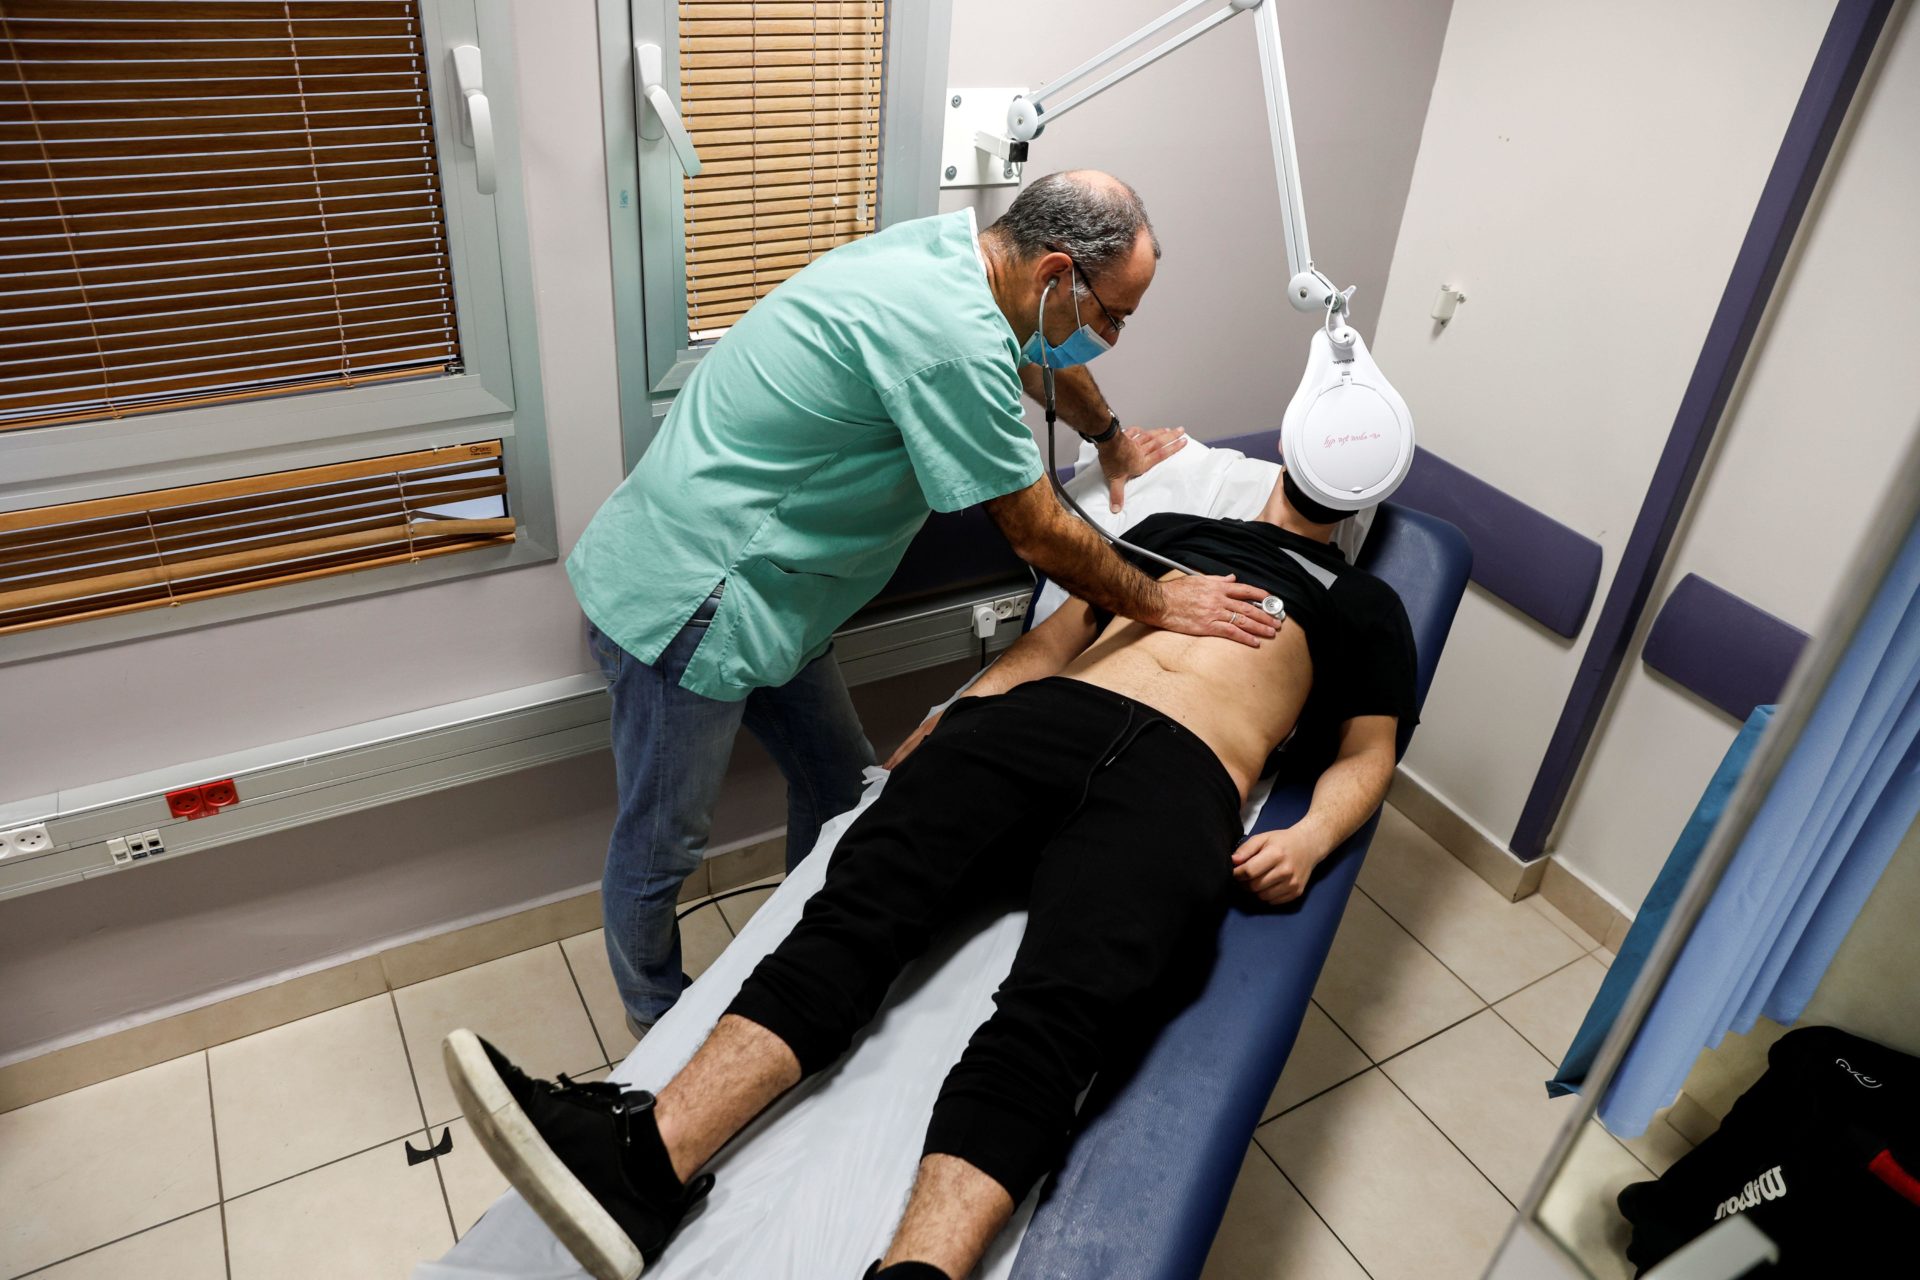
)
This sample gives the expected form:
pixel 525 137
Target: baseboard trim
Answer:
pixel 47 1071
pixel 1466 840
pixel 1483 854
pixel 1583 904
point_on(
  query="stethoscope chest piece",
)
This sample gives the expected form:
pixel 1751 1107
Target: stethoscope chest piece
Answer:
pixel 1274 607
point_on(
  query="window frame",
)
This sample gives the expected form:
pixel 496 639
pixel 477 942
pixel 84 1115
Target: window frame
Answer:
pixel 496 396
pixel 645 194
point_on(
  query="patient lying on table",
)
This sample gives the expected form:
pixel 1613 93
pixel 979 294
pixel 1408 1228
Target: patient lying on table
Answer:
pixel 1099 766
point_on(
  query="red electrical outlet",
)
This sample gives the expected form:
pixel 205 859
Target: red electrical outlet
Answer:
pixel 219 795
pixel 200 801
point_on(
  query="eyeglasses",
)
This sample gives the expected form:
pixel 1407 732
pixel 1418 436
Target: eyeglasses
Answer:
pixel 1118 325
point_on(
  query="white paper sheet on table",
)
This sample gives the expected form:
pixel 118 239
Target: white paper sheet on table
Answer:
pixel 814 1189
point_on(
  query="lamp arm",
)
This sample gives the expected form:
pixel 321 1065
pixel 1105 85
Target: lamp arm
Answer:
pixel 1308 289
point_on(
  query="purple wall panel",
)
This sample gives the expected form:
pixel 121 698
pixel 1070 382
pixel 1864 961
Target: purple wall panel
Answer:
pixel 1735 655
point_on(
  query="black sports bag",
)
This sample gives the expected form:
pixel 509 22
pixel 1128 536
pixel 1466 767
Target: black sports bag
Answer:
pixel 1822 1153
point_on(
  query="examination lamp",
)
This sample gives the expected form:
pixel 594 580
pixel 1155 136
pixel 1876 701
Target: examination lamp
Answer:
pixel 1346 438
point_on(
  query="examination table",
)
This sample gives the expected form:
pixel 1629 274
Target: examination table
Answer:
pixel 813 1189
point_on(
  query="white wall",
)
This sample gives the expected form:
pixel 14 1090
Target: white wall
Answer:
pixel 1586 175
pixel 1831 398
pixel 1215 347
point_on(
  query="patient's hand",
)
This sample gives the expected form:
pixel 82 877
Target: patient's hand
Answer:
pixel 914 739
pixel 1275 865
pixel 1136 451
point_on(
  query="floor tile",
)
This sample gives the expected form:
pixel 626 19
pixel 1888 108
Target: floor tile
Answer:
pixel 1560 920
pixel 1577 900
pixel 1494 946
pixel 1604 956
pixel 1388 1183
pixel 1485 1088
pixel 1550 1012
pixel 189 1248
pixel 1322 1057
pixel 703 936
pixel 587 957
pixel 472 1182
pixel 525 1004
pixel 104 1162
pixel 740 908
pixel 370 1216
pixel 1269 1233
pixel 1660 1145
pixel 1382 988
pixel 1579 1210
pixel 312 1091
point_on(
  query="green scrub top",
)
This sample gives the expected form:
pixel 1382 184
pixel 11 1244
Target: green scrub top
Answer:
pixel 805 451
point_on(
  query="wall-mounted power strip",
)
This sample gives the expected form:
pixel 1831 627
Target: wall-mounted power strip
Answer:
pixel 138 848
pixel 25 840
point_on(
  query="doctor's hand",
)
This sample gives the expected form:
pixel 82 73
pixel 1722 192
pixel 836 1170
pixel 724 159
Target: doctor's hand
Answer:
pixel 1221 607
pixel 1275 865
pixel 1134 452
pixel 914 739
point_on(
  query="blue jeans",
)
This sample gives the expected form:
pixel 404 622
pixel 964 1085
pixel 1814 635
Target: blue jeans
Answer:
pixel 670 752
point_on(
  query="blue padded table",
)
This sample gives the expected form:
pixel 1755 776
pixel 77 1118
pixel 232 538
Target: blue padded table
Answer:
pixel 1162 1137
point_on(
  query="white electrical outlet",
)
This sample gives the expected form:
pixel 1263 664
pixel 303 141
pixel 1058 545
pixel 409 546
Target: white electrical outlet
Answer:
pixel 121 854
pixel 21 840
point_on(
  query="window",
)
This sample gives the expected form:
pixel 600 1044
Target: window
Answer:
pixel 240 244
pixel 782 101
pixel 213 208
pixel 816 122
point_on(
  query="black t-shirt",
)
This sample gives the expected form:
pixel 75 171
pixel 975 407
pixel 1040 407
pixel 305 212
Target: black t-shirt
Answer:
pixel 1356 628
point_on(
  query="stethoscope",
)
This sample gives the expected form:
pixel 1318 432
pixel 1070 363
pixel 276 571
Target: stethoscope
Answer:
pixel 1273 606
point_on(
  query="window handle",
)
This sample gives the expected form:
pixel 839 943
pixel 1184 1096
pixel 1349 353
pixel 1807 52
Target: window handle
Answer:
pixel 476 124
pixel 665 117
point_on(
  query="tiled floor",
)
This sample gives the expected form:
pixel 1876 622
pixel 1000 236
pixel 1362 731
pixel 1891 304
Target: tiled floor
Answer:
pixel 283 1155
pixel 1408 1123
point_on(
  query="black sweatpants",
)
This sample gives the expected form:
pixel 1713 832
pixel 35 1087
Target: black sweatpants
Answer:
pixel 1117 826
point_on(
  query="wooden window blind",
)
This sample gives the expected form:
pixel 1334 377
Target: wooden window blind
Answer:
pixel 201 202
pixel 168 547
pixel 782 98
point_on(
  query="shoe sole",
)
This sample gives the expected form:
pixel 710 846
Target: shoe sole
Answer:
pixel 541 1177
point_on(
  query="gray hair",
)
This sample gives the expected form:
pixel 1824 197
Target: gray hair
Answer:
pixel 1093 223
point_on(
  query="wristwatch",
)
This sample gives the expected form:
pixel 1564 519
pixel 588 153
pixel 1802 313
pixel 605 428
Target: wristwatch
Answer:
pixel 1113 429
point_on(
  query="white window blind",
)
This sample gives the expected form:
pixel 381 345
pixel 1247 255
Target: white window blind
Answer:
pixel 207 201
pixel 782 98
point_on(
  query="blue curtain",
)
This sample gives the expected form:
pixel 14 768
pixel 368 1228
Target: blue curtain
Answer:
pixel 1659 904
pixel 1848 793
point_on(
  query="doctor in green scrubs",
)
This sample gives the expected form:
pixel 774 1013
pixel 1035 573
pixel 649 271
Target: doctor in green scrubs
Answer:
pixel 879 384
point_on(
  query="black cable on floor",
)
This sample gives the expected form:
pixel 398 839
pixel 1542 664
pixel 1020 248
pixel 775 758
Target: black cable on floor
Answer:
pixel 722 897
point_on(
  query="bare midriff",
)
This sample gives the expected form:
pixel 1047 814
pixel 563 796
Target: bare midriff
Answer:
pixel 1240 701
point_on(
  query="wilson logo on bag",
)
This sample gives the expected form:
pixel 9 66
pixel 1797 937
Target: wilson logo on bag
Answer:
pixel 1770 1185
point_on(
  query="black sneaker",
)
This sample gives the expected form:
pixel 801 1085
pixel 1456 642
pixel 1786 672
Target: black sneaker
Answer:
pixel 587 1157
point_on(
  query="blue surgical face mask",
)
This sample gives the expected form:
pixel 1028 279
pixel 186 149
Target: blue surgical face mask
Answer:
pixel 1082 345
